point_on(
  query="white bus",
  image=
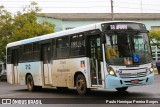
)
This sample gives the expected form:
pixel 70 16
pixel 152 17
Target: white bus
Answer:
pixel 113 54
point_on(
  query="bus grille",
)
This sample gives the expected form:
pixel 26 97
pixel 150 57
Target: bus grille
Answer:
pixel 131 75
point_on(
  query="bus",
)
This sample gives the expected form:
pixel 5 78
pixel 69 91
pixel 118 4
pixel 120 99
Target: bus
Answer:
pixel 113 54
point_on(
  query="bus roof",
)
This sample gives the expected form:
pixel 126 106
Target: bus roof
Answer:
pixel 62 33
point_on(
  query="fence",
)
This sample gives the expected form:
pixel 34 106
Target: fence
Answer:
pixel 155 53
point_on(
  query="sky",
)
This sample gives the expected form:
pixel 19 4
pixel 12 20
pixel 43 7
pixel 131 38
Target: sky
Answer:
pixel 86 6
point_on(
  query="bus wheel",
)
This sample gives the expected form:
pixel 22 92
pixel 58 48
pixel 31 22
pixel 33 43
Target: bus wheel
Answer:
pixel 30 83
pixel 81 85
pixel 123 89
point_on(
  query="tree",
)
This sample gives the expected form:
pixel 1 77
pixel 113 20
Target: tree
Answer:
pixel 22 26
pixel 155 35
pixel 26 25
pixel 6 28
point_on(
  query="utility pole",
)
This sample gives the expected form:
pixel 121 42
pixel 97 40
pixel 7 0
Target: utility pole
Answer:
pixel 141 10
pixel 141 7
pixel 112 13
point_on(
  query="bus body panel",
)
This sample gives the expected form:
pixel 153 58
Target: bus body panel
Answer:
pixel 10 73
pixel 47 72
pixel 63 71
pixel 33 68
pixel 16 74
pixel 118 82
pixel 125 76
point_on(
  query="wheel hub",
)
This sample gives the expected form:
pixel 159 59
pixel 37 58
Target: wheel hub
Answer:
pixel 81 84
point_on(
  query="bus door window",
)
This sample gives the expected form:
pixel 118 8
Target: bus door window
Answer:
pixel 15 66
pixel 95 55
pixel 15 57
pixel 46 54
pixel 46 57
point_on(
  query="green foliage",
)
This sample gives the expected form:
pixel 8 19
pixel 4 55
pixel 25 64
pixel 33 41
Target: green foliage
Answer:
pixel 6 28
pixel 155 37
pixel 155 34
pixel 21 26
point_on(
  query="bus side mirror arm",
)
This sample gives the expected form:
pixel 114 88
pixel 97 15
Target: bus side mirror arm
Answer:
pixel 103 39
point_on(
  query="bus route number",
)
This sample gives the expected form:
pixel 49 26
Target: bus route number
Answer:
pixel 28 67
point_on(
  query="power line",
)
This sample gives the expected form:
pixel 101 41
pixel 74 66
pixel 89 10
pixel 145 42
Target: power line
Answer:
pixel 96 6
pixel 136 3
pixel 92 7
pixel 136 8
pixel 66 7
pixel 62 1
pixel 91 1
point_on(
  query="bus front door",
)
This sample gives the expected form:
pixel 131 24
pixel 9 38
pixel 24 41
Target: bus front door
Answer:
pixel 15 66
pixel 46 57
pixel 95 56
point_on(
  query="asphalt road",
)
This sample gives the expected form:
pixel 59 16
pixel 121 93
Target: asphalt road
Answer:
pixel 93 99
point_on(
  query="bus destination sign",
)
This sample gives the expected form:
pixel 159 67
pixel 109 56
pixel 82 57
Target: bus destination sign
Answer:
pixel 122 26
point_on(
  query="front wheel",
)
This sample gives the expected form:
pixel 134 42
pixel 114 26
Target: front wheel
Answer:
pixel 81 85
pixel 123 89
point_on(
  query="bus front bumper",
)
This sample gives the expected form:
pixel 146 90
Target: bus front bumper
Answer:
pixel 117 82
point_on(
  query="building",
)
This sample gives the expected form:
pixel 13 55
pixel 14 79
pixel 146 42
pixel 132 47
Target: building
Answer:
pixel 64 21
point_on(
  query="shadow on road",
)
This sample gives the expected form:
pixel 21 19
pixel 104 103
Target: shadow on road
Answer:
pixel 91 94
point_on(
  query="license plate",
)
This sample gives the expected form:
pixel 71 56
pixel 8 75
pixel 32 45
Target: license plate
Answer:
pixel 134 81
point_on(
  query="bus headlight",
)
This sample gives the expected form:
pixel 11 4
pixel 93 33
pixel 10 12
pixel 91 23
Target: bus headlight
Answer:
pixel 151 70
pixel 111 71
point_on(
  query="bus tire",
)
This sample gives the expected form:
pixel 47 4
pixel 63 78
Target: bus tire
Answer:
pixel 122 89
pixel 30 83
pixel 81 85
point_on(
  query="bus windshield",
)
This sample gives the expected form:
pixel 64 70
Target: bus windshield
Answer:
pixel 127 48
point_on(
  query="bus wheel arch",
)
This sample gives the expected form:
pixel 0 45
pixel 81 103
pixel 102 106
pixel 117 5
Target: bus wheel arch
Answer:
pixel 26 77
pixel 80 83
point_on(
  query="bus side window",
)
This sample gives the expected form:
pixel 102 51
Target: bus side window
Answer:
pixel 27 54
pixel 63 47
pixel 77 45
pixel 8 55
pixel 36 51
pixel 54 49
pixel 81 44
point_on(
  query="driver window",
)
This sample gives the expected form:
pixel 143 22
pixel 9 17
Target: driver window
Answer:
pixel 123 45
